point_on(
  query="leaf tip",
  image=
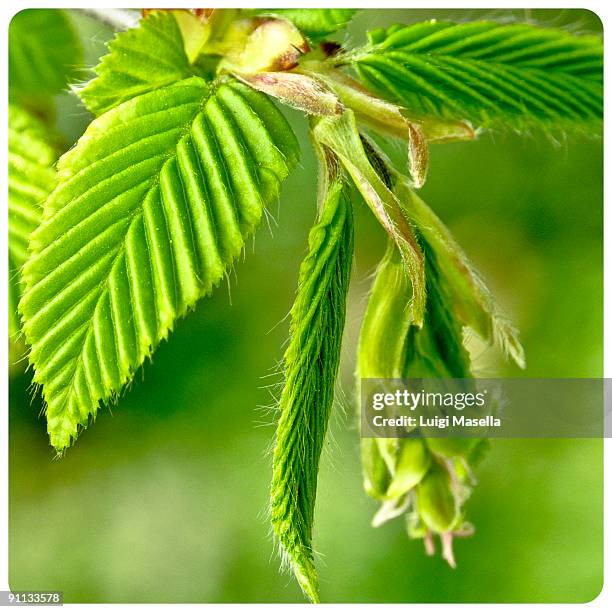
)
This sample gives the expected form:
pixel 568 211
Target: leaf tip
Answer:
pixel 61 435
pixel 307 579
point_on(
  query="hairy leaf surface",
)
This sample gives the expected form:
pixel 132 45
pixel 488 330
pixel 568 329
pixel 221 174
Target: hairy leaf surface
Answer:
pixel 316 24
pixel 31 179
pixel 44 54
pixel 153 205
pixel 311 366
pixel 140 59
pixel 489 73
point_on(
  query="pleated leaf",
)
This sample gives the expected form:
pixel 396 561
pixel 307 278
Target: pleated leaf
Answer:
pixel 316 24
pixel 152 206
pixel 492 74
pixel 139 60
pixel 44 54
pixel 31 176
pixel 311 366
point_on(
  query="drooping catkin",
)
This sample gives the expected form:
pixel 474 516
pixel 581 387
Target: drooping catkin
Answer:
pixel 428 481
pixel 423 478
pixel 311 366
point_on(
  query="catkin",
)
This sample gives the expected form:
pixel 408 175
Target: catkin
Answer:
pixel 427 479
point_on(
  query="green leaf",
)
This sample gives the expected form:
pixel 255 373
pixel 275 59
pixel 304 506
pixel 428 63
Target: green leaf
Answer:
pixel 153 205
pixel 311 366
pixel 44 55
pixel 316 24
pixel 140 60
pixel 31 177
pixel 489 73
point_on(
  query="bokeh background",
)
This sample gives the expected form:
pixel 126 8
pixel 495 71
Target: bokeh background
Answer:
pixel 164 499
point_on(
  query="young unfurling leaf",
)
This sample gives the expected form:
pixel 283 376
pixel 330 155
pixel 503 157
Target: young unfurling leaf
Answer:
pixel 311 364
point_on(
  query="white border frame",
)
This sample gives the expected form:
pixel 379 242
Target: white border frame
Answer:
pixel 600 7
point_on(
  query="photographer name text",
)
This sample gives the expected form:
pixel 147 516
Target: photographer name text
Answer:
pixel 438 422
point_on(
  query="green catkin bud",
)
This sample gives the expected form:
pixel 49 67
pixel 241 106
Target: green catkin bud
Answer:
pixel 311 365
pixel 413 461
pixel 436 503
pixel 387 320
pixel 381 349
pixel 376 476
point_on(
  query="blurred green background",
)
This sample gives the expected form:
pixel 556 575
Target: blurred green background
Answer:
pixel 164 500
